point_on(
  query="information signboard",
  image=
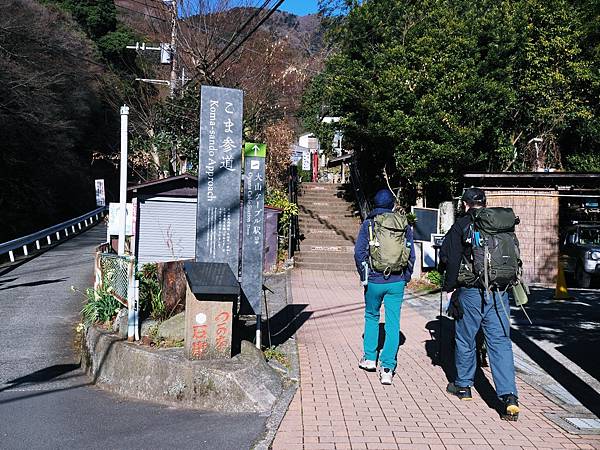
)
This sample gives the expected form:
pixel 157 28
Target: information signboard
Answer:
pixel 219 176
pixel 427 223
pixel 253 224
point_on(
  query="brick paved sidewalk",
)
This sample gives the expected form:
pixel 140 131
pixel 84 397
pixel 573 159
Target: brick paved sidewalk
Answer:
pixel 339 406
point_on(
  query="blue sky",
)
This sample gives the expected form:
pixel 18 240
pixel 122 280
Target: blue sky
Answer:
pixel 300 7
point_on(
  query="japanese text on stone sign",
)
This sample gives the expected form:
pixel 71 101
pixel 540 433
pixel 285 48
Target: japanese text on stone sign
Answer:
pixel 228 146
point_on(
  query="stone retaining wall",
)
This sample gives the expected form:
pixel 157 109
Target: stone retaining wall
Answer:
pixel 244 383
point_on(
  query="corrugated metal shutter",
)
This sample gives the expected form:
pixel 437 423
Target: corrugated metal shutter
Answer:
pixel 167 230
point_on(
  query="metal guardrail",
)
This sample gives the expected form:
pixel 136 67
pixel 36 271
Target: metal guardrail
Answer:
pixel 52 232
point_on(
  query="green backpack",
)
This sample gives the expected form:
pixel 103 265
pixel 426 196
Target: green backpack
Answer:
pixel 388 249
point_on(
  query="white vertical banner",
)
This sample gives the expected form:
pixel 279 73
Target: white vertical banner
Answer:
pixel 100 193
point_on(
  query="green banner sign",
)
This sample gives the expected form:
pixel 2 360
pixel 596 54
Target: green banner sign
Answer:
pixel 253 149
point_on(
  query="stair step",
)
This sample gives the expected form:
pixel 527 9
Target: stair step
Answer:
pixel 329 224
pixel 326 248
pixel 345 232
pixel 322 186
pixel 321 197
pixel 326 267
pixel 321 257
pixel 327 205
pixel 327 218
pixel 339 218
pixel 310 240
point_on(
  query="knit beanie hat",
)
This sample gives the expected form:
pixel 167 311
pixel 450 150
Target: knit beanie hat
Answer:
pixel 384 199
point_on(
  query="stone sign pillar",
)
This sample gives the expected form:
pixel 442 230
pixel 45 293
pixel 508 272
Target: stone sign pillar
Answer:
pixel 253 224
pixel 212 291
pixel 219 176
pixel 213 286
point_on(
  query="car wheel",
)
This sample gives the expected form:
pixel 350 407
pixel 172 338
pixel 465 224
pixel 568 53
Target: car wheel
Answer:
pixel 583 278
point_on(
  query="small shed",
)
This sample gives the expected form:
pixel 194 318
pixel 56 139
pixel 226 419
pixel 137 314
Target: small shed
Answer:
pixel 546 202
pixel 165 219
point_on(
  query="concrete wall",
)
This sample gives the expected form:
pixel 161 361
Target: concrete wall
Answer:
pixel 538 231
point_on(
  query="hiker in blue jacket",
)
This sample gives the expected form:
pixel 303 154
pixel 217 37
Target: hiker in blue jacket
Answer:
pixel 387 289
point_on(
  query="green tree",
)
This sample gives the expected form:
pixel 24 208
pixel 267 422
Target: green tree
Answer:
pixel 438 88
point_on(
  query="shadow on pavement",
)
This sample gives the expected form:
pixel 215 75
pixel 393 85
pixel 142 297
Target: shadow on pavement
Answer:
pixel 8 280
pixel 570 325
pixel 381 339
pixel 42 375
pixel 50 373
pixel 586 395
pixel 440 349
pixel 284 324
pixel 34 283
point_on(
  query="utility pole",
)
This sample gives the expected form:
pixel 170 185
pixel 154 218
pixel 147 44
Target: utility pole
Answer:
pixel 173 78
pixel 168 56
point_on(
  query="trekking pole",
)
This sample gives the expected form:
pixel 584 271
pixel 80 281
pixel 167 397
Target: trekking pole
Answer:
pixel 440 319
pixel 265 289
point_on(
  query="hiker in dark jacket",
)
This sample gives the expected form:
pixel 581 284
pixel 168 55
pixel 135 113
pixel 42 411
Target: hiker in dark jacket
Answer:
pixel 386 289
pixel 471 310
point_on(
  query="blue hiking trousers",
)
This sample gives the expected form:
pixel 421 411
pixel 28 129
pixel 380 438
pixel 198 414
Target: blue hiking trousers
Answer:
pixel 391 295
pixel 492 315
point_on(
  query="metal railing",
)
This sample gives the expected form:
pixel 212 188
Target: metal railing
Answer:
pixel 294 227
pixel 361 198
pixel 45 237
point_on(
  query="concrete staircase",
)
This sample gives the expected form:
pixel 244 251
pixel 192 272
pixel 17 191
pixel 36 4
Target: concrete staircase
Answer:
pixel 329 226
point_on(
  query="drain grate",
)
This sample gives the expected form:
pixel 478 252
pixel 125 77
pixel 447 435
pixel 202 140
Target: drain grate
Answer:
pixel 584 424
pixel 577 423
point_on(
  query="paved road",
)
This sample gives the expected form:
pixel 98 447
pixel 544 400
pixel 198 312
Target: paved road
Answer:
pixel 45 399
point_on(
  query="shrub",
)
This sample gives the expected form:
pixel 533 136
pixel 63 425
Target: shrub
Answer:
pixel 279 199
pixel 435 278
pixel 151 301
pixel 100 306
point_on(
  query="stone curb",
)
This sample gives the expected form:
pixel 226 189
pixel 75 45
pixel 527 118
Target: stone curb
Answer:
pixel 291 384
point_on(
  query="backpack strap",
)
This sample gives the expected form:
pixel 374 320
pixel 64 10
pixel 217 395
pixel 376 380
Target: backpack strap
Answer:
pixel 372 241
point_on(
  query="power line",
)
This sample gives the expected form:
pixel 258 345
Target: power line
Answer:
pixel 256 27
pixel 316 72
pixel 143 3
pixel 237 32
pixel 141 13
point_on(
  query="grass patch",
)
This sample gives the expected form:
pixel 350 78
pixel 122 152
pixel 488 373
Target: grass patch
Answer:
pixel 277 355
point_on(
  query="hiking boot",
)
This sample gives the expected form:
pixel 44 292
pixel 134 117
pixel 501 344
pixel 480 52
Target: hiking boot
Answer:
pixel 463 393
pixel 385 375
pixel 367 364
pixel 509 407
